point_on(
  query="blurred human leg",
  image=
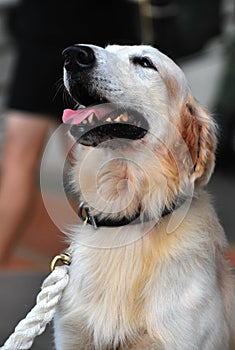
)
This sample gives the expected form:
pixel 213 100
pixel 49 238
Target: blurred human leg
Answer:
pixel 25 139
pixel 225 112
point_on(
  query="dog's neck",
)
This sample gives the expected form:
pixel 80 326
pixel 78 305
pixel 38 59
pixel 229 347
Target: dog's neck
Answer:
pixel 84 213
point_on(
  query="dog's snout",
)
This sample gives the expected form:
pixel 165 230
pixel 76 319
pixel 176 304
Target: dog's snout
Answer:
pixel 78 57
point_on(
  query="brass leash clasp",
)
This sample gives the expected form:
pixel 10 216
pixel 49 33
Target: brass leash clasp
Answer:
pixel 64 258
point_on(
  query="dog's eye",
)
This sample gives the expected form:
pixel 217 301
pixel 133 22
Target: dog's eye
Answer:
pixel 144 62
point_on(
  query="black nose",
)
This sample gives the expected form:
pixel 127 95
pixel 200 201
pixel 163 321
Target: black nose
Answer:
pixel 78 57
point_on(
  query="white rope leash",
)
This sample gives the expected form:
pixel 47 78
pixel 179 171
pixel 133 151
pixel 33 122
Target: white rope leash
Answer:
pixel 42 313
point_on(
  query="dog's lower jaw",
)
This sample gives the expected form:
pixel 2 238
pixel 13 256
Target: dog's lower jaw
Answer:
pixel 117 185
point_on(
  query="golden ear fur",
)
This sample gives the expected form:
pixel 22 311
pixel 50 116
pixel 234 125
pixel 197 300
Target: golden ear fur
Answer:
pixel 198 132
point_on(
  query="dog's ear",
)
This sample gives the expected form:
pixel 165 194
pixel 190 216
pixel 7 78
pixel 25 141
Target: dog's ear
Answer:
pixel 199 134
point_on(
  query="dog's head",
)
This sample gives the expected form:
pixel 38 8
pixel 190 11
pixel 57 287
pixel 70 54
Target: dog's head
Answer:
pixel 145 136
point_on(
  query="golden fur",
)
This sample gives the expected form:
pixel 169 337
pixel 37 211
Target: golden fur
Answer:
pixel 164 285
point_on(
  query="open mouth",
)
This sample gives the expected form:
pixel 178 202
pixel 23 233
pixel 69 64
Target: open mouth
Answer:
pixel 90 126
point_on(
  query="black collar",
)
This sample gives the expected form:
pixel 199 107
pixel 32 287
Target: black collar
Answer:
pixel 84 213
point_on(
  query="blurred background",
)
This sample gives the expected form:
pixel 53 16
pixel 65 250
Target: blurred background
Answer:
pixel 199 35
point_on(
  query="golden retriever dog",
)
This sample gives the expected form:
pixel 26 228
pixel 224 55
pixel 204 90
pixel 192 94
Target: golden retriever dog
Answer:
pixel 147 268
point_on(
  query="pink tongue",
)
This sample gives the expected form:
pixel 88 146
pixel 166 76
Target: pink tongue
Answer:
pixel 76 117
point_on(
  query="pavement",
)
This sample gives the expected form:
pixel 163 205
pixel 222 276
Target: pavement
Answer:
pixel 21 279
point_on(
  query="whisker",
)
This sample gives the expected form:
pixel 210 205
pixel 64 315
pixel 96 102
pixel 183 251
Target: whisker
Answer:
pixel 59 85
